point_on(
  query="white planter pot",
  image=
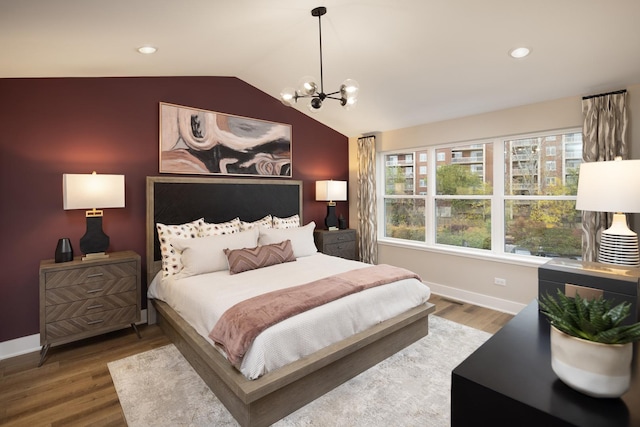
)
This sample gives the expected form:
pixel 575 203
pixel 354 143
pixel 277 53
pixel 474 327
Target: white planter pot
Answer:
pixel 596 369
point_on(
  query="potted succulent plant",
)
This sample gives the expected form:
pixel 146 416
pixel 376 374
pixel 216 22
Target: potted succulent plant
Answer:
pixel 591 350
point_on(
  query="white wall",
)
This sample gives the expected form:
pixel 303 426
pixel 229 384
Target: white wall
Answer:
pixel 471 278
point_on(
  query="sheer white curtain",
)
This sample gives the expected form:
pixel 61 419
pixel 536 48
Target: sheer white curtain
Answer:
pixel 366 200
pixel 604 136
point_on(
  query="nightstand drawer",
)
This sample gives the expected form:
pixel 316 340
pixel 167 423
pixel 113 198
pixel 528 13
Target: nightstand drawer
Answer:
pixel 84 291
pixel 333 237
pixel 90 306
pixel 90 273
pixel 91 322
pixel 343 250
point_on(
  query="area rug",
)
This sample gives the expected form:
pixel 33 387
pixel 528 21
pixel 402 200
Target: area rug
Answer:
pixel 410 388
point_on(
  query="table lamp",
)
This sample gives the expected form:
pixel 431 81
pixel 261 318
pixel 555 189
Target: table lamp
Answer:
pixel 612 186
pixel 93 191
pixel 330 192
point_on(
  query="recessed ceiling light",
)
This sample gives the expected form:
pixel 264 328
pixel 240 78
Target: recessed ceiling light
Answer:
pixel 519 52
pixel 147 50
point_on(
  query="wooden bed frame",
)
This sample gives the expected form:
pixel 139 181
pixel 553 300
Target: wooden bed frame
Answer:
pixel 265 400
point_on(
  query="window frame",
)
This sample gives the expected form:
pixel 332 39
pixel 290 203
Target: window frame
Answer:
pixel 497 200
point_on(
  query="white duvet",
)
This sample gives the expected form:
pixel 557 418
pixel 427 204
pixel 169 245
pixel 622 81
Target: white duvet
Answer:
pixel 201 300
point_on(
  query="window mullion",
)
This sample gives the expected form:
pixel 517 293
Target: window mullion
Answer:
pixel 497 199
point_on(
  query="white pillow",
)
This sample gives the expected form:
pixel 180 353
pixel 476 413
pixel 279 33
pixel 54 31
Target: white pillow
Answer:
pixel 301 238
pixel 213 229
pixel 171 263
pixel 206 254
pixel 289 222
pixel 266 222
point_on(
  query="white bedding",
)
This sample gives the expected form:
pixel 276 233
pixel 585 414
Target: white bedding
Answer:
pixel 202 299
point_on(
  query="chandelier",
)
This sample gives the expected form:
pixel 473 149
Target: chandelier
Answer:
pixel 308 88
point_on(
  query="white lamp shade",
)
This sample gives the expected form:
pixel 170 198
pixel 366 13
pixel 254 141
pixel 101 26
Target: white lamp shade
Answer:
pixel 611 186
pixel 331 191
pixel 89 191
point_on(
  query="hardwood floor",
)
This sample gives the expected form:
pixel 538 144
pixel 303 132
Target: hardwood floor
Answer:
pixel 471 315
pixel 74 387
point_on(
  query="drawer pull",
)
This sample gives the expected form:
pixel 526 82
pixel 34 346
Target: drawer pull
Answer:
pixel 95 322
pixel 93 291
pixel 92 307
pixel 94 275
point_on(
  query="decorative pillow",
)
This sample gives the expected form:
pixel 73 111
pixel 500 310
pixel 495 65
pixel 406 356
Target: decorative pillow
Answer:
pixel 211 229
pixel 206 254
pixel 289 222
pixel 266 222
pixel 301 238
pixel 171 263
pixel 261 256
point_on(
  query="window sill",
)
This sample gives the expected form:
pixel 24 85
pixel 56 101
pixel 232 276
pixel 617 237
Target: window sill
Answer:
pixel 521 260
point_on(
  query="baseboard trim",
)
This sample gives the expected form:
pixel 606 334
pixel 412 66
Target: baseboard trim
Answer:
pixel 31 343
pixel 475 298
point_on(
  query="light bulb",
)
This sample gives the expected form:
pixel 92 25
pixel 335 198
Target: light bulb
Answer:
pixel 348 103
pixel 288 96
pixel 307 86
pixel 349 88
pixel 315 105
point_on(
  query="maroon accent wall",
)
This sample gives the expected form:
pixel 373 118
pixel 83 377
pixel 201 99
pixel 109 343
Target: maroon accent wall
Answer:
pixel 110 125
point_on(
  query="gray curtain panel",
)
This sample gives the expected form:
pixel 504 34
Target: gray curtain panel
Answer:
pixel 366 200
pixel 604 136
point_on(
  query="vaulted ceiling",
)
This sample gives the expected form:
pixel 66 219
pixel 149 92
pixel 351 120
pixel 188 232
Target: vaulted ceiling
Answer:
pixel 417 61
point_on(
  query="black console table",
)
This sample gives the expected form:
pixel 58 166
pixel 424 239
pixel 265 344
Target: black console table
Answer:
pixel 508 381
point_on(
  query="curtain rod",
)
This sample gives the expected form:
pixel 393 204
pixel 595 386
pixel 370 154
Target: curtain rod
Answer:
pixel 605 94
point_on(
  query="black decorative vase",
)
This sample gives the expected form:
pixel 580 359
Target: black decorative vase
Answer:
pixel 342 223
pixel 64 251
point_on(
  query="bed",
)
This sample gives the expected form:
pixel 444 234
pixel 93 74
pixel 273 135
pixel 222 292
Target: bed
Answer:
pixel 272 396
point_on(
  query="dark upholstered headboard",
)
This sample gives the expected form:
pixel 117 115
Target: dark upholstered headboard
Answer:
pixel 177 200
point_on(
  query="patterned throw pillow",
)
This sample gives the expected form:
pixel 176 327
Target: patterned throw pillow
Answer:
pixel 171 262
pixel 261 256
pixel 289 222
pixel 266 222
pixel 211 229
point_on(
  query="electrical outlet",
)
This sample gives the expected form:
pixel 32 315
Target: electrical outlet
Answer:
pixel 499 281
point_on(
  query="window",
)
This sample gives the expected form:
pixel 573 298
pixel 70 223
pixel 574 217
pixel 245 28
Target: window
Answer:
pixel 462 200
pixel 461 203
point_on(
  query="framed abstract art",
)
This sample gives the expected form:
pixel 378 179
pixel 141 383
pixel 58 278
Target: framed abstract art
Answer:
pixel 195 141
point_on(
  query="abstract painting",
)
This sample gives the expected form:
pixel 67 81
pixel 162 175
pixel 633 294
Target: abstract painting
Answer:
pixel 195 141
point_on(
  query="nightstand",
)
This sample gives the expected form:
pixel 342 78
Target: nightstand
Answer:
pixel 340 243
pixel 592 279
pixel 80 299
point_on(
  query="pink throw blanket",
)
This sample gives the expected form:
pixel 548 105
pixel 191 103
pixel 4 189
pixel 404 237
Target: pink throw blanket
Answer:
pixel 239 325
